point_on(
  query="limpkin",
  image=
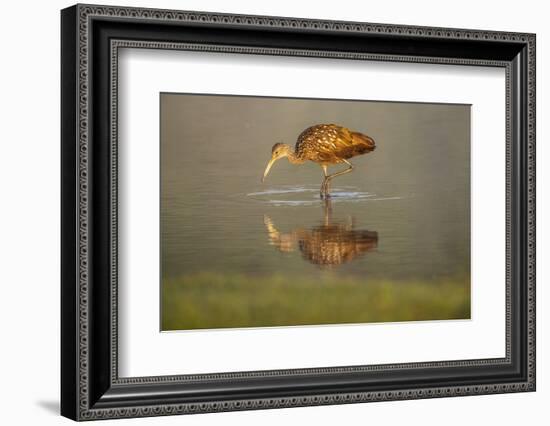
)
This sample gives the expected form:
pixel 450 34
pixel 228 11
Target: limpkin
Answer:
pixel 331 243
pixel 324 144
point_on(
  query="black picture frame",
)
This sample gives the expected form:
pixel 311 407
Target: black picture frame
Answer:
pixel 90 38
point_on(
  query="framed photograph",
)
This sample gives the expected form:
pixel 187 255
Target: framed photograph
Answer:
pixel 263 212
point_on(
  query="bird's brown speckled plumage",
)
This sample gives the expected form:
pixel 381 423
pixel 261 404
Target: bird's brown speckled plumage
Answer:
pixel 331 144
pixel 324 144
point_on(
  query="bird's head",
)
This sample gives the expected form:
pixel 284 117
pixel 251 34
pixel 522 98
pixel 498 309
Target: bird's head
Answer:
pixel 278 151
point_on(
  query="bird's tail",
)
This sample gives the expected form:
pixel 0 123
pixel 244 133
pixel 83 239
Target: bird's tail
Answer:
pixel 365 142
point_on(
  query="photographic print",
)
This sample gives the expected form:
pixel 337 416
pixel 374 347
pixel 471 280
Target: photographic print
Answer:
pixel 292 211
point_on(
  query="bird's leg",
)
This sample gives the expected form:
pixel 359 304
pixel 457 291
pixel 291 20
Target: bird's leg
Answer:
pixel 325 181
pixel 327 188
pixel 332 176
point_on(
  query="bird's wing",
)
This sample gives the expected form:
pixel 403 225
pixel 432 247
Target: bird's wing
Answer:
pixel 349 144
pixel 323 142
pixel 330 143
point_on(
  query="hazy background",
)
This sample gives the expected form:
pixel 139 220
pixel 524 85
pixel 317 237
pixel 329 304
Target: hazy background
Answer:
pixel 413 190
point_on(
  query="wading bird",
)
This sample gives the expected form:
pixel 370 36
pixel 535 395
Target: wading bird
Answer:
pixel 324 144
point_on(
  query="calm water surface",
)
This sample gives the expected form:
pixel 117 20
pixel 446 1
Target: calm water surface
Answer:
pixel 402 214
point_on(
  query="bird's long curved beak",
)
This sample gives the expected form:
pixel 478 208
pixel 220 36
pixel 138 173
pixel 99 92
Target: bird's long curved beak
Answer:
pixel 268 167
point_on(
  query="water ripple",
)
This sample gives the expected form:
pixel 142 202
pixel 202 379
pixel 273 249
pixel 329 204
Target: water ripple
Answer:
pixel 283 191
pixel 338 194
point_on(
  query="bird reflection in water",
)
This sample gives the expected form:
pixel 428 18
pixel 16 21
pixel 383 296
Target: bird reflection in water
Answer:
pixel 331 243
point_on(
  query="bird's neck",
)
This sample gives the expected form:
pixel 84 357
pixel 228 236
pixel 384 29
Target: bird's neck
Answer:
pixel 293 158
